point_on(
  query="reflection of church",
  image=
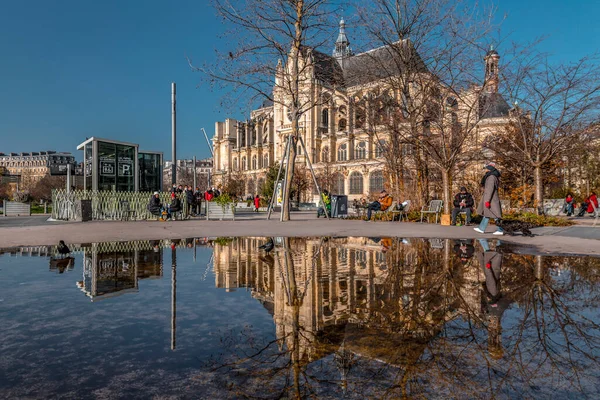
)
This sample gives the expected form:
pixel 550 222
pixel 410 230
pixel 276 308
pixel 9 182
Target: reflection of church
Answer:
pixel 111 269
pixel 383 305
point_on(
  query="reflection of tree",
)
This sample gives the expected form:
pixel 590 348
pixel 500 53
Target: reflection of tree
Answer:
pixel 418 321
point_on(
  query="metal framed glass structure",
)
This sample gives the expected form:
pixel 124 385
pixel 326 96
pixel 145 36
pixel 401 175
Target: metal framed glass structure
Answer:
pixel 111 165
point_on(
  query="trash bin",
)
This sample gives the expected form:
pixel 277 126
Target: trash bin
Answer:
pixel 339 206
pixel 83 210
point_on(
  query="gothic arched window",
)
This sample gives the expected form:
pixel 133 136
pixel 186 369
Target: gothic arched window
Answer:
pixel 361 151
pixel 342 125
pixel 356 183
pixel 266 161
pixel 376 182
pixel 254 162
pixel 244 164
pixel 342 153
pixel 325 117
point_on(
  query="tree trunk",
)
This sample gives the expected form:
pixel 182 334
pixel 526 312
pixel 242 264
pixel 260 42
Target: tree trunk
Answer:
pixel 539 189
pixel 446 189
pixel 289 176
pixel 295 95
pixel 421 184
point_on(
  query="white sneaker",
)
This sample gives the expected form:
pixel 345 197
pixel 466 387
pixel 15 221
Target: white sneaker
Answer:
pixel 478 230
pixel 498 233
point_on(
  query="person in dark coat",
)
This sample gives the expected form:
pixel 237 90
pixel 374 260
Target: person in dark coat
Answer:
pixel 189 199
pixel 154 206
pixel 463 202
pixel 464 250
pixel 489 206
pixel 175 206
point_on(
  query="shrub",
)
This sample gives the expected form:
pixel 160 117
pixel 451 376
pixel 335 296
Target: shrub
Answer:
pixel 540 220
pixel 224 200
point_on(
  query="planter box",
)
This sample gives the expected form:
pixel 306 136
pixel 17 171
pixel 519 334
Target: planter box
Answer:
pixel 15 208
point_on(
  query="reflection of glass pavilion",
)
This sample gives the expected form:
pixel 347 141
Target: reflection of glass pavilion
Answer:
pixel 120 166
pixel 110 271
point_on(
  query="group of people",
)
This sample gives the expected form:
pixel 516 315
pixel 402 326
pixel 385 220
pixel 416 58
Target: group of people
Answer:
pixel 192 197
pixel 588 205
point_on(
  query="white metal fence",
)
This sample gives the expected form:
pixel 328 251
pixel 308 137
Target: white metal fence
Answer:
pixel 108 205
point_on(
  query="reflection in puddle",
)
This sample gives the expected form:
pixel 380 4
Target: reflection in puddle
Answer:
pixel 395 318
pixel 353 317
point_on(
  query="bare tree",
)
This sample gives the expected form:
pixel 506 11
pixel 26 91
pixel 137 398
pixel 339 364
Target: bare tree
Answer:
pixel 43 188
pixel 427 107
pixel 556 103
pixel 265 31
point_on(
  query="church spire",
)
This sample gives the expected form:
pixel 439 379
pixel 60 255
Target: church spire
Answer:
pixel 492 74
pixel 342 44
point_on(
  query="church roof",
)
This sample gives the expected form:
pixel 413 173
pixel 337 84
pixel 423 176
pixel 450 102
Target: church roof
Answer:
pixel 381 63
pixel 492 105
pixel 373 65
pixel 327 69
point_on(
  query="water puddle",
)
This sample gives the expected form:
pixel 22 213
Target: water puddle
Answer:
pixel 299 317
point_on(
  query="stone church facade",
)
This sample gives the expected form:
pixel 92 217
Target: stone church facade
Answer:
pixel 337 129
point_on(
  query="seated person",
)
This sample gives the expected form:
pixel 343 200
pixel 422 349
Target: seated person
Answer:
pixel 569 205
pixel 384 202
pixel 154 206
pixel 587 205
pixel 463 202
pixel 174 207
pixel 327 201
pixel 464 249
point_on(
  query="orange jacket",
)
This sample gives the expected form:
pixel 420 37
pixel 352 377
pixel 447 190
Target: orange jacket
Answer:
pixel 386 202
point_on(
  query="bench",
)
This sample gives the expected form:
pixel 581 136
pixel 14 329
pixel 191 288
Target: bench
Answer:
pixel 553 207
pixel 434 207
pixel 216 211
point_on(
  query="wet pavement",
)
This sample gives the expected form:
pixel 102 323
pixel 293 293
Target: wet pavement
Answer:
pixel 318 317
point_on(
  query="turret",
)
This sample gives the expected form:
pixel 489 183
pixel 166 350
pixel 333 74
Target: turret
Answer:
pixel 342 44
pixel 492 78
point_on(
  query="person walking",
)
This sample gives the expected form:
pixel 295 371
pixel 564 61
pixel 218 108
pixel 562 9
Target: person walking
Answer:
pixel 489 206
pixel 256 203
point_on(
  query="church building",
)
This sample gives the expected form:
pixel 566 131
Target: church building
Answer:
pixel 346 140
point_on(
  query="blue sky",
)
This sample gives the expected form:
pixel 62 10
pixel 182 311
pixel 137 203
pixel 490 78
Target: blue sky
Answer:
pixel 74 69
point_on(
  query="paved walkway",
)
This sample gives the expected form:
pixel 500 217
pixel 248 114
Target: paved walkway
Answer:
pixel 571 240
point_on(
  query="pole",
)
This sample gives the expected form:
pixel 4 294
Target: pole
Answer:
pixel 173 134
pixel 68 178
pixel 173 297
pixel 195 182
pixel 208 141
pixel 312 172
pixel 277 180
